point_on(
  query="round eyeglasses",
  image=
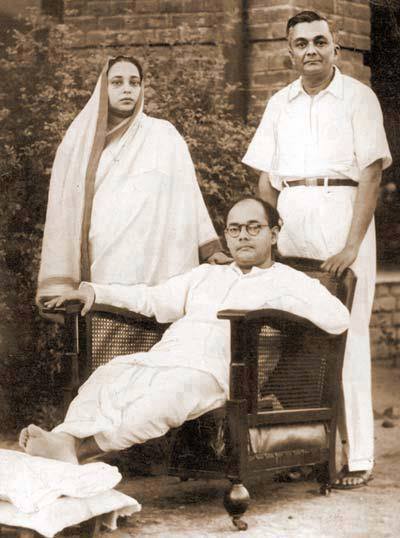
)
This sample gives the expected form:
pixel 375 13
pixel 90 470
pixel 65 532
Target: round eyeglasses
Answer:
pixel 252 228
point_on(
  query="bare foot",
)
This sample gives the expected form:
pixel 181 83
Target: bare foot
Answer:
pixel 56 446
pixel 23 438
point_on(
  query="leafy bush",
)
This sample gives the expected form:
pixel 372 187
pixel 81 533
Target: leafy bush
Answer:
pixel 45 83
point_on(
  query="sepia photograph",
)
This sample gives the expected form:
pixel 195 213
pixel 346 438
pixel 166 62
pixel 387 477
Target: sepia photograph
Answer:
pixel 200 268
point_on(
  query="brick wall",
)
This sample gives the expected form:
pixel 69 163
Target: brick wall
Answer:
pixel 122 23
pixel 269 62
pixel 385 321
pixel 183 29
pixel 257 54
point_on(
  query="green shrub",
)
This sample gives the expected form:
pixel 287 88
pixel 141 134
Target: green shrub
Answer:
pixel 45 83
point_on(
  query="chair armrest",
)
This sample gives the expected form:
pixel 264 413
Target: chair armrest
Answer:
pixel 74 307
pixel 277 319
pixel 245 334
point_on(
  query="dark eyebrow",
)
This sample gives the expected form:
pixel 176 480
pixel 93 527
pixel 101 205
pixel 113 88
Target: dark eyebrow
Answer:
pixel 248 222
pixel 136 77
pixel 300 39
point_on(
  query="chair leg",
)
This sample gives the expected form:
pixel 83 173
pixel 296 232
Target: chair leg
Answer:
pixel 324 478
pixel 236 502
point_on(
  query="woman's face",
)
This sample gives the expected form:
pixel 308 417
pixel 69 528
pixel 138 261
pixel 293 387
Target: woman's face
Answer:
pixel 123 87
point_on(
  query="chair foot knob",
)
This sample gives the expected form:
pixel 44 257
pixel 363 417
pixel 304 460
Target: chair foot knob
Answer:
pixel 240 524
pixel 236 502
pixel 325 489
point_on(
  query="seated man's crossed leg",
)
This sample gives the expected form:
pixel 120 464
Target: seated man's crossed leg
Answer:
pixel 123 404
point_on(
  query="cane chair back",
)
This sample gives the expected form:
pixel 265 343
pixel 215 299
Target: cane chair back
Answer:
pixel 112 334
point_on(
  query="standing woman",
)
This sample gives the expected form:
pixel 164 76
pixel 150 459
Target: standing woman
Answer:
pixel 124 204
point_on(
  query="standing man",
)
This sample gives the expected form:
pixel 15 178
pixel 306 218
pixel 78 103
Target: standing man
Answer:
pixel 321 148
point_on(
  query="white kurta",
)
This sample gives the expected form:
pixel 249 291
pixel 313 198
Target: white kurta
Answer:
pixel 137 397
pixel 335 134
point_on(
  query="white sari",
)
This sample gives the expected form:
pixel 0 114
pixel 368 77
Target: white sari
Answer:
pixel 124 207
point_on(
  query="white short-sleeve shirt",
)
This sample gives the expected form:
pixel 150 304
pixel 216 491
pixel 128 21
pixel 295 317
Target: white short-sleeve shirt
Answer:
pixel 336 133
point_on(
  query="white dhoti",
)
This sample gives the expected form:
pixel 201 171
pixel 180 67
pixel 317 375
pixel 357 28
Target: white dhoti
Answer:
pixel 124 403
pixel 316 222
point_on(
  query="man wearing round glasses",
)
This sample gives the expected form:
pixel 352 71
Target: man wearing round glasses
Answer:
pixel 138 397
pixel 250 237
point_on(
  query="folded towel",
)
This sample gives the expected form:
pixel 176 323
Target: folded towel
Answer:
pixel 31 482
pixel 67 511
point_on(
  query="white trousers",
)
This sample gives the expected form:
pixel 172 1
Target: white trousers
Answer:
pixel 123 403
pixel 316 222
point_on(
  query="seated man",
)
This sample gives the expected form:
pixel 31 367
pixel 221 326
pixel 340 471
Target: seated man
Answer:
pixel 138 397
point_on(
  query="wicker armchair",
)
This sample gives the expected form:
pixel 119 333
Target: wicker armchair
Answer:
pixel 285 378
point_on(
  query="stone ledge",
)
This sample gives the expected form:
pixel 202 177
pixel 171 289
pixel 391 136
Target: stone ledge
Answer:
pixel 388 276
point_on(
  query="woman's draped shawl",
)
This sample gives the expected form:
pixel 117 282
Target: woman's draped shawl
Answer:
pixel 124 207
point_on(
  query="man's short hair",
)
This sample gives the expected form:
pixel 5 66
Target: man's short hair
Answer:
pixel 270 212
pixel 311 16
pixel 304 16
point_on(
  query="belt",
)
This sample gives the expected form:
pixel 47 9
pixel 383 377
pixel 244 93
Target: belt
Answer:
pixel 320 182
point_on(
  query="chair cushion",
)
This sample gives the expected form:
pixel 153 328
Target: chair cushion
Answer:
pixel 268 439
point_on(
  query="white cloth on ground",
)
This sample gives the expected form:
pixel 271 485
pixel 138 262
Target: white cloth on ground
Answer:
pixel 335 134
pixel 69 511
pixel 194 351
pixel 32 482
pixel 48 495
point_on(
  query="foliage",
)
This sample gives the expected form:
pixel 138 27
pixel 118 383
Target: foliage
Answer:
pixel 45 83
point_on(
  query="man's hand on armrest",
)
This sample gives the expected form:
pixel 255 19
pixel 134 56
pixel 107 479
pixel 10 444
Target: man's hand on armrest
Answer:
pixel 85 295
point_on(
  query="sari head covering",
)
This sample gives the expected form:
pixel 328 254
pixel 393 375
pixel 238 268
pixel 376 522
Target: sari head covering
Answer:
pixel 124 206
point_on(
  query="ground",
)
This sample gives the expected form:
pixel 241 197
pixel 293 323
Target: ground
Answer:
pixel 280 510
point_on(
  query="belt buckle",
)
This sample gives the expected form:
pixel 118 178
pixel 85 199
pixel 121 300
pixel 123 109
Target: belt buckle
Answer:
pixel 311 181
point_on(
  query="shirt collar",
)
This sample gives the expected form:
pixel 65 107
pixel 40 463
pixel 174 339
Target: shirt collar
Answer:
pixel 253 272
pixel 335 87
